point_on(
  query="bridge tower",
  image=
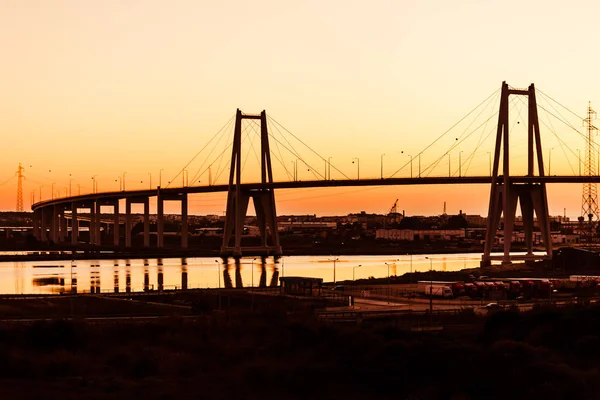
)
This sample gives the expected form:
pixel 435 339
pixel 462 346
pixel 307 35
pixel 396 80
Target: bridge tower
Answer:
pixel 504 194
pixel 238 196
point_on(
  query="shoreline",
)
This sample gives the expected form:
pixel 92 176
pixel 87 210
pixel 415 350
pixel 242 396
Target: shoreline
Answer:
pixel 63 255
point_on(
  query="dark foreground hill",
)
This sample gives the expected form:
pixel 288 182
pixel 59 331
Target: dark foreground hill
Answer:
pixel 269 347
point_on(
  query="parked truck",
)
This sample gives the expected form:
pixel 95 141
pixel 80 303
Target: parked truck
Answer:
pixel 435 289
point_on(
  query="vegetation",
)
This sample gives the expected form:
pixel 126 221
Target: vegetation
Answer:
pixel 266 347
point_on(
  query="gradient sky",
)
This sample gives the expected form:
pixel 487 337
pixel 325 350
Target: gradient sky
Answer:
pixel 105 87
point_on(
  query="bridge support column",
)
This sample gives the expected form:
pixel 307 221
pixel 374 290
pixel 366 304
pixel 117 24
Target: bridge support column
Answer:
pixel 92 229
pixel 43 224
pixel 160 222
pixel 54 223
pixel 116 222
pixel 63 225
pixel 146 222
pixel 98 224
pixel 74 224
pixel 184 221
pixel 127 222
pixel 36 224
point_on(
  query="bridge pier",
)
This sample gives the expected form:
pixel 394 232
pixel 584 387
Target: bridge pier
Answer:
pixel 116 222
pixel 92 223
pixel 128 222
pixel 36 224
pixel 147 222
pixel 97 223
pixel 505 194
pixel 184 221
pixel 63 225
pixel 54 224
pixel 239 197
pixel 74 224
pixel 160 221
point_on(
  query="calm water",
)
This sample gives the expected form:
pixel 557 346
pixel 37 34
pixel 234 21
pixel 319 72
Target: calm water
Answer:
pixel 107 275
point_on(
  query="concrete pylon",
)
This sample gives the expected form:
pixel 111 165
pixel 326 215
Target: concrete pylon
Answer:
pixel 239 197
pixel 505 194
pixel 74 224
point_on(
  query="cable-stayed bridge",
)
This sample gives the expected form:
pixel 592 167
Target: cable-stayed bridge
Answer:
pixel 57 218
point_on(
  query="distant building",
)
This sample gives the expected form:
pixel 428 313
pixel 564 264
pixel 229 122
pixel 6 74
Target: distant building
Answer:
pixel 294 226
pixel 475 221
pixel 413 234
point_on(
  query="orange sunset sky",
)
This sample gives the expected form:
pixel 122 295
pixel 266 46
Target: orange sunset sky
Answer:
pixel 125 90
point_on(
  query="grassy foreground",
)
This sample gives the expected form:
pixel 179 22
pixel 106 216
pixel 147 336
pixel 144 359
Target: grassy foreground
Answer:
pixel 269 347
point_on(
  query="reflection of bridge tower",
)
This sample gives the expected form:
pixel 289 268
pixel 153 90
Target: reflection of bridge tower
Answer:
pixel 504 194
pixel 238 197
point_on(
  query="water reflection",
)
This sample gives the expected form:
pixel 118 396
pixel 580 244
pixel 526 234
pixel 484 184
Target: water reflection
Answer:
pixel 127 279
pixel 116 277
pixel 146 279
pixel 184 274
pixel 191 273
pixel 95 280
pixel 49 281
pixel 73 279
pixel 160 278
pixel 238 273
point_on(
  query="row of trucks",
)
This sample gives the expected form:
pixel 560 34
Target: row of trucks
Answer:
pixel 491 288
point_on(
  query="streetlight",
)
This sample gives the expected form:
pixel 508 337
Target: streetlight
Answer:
pixel 124 173
pixel 70 182
pixel 160 176
pixel 382 165
pixel 53 189
pixel 388 268
pixel 253 271
pixel 549 159
pixel 120 183
pixel 334 260
pixel 294 170
pixel 579 158
pixel 449 173
pixel 329 167
pixel 431 284
pixel 459 164
pixel 419 165
pixel 411 157
pixel 357 167
pixel 490 161
pixel 353 268
pixel 150 177
pixel 218 273
pixel 94 183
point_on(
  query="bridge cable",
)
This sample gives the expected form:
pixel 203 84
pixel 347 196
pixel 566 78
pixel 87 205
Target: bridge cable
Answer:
pixel 309 148
pixel 198 174
pixel 482 139
pixel 201 150
pixel 454 145
pixel 462 139
pixel 448 130
pixel 295 153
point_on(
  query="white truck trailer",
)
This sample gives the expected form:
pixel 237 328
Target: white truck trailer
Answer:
pixel 435 289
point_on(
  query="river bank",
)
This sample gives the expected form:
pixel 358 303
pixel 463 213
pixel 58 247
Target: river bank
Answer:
pixel 59 254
